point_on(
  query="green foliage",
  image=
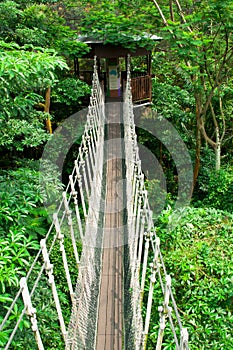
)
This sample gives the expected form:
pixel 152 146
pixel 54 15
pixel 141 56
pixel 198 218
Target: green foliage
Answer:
pixel 50 184
pixel 197 255
pixel 18 134
pixel 70 91
pixel 59 270
pixel 198 52
pixel 20 194
pixel 217 190
pixel 29 67
pixel 157 196
pixel 47 28
pixel 46 316
pixel 24 75
pixel 118 24
pixel 198 251
pixel 15 253
pixel 38 24
pixel 9 16
pixel 68 45
pixel 173 102
pixel 23 221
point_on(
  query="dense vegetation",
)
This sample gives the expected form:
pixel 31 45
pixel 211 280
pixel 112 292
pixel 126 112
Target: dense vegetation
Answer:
pixel 192 88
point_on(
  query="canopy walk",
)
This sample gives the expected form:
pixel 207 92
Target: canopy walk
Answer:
pixel 121 272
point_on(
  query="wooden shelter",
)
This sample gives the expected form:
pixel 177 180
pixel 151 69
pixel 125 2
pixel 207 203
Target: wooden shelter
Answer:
pixel 112 68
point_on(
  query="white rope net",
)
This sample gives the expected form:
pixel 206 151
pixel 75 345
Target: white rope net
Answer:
pixel 82 327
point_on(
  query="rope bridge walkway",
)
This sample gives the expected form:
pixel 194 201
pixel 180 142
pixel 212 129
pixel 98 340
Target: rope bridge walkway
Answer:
pixel 121 272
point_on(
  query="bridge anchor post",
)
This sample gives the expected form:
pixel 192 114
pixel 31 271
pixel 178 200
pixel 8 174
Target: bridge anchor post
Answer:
pixel 31 311
pixel 49 270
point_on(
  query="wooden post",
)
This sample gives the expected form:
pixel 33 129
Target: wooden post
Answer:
pixel 149 303
pixel 49 270
pixel 31 312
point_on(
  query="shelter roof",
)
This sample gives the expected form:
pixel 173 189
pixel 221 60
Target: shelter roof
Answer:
pixel 103 48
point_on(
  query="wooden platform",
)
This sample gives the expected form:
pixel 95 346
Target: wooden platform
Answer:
pixel 110 313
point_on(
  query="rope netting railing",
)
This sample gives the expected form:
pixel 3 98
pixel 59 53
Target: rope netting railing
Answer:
pixel 145 268
pixel 83 322
pixel 72 215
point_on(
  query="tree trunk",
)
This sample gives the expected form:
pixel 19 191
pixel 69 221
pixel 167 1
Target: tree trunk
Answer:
pixel 171 11
pixel 198 140
pixel 217 144
pixel 197 157
pixel 46 109
pixel 217 150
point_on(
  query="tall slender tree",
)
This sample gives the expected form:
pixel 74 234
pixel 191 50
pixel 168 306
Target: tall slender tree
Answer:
pixel 200 37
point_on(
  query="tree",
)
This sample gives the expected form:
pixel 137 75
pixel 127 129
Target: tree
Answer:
pixel 39 25
pixel 116 22
pixel 25 75
pixel 200 38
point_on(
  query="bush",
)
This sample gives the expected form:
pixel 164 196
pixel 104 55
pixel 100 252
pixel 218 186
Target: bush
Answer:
pixel 23 222
pixel 198 256
pixel 216 189
pixel 220 190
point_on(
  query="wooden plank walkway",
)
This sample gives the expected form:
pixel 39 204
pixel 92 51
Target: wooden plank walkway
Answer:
pixel 110 314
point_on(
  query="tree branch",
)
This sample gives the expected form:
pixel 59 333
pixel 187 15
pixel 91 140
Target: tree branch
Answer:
pixel 213 116
pixel 166 24
pixel 171 11
pixel 204 133
pixel 162 15
pixel 223 118
pixel 181 15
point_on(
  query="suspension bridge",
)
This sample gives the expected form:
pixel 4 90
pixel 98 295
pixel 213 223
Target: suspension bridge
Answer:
pixel 122 279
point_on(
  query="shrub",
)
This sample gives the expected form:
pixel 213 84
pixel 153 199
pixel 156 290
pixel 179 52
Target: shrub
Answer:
pixel 198 256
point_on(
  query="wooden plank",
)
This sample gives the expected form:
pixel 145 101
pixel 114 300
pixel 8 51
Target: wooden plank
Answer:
pixel 109 327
